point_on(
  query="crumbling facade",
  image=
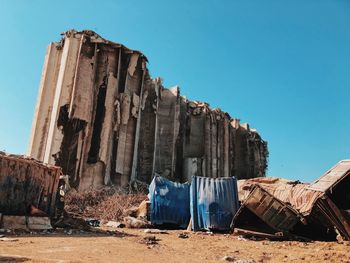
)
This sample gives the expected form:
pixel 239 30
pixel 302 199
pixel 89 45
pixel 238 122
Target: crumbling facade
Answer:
pixel 101 117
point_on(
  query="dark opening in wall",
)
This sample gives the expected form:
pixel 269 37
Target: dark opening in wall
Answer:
pixel 66 157
pixel 98 121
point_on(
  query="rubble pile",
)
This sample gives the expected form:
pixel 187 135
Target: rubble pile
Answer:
pixel 105 121
pixel 102 204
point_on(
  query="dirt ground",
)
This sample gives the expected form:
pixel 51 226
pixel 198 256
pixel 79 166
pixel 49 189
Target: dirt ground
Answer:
pixel 129 245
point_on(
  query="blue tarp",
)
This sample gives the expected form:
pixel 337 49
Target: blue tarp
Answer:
pixel 214 202
pixel 170 202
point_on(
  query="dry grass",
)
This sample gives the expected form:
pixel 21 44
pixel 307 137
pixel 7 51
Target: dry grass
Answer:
pixel 103 204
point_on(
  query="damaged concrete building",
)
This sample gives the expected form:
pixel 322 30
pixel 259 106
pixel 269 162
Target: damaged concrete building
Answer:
pixel 104 120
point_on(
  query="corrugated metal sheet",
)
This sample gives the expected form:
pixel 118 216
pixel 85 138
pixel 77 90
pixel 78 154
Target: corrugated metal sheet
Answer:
pixel 25 183
pixel 275 213
pixel 332 177
pixel 297 194
pixel 214 202
pixel 170 202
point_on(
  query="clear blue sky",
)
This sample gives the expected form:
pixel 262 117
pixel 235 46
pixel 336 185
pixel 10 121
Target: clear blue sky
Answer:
pixel 282 66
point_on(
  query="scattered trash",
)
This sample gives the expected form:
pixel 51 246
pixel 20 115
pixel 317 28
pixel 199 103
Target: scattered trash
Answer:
pixel 93 222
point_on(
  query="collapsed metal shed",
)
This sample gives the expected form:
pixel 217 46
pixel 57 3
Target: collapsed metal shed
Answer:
pixel 101 117
pixel 319 210
pixel 27 183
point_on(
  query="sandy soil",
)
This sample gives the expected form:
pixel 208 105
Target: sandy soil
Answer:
pixel 129 245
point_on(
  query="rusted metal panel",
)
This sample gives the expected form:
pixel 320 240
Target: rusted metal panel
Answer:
pixel 333 215
pixel 273 212
pixel 332 177
pixel 24 183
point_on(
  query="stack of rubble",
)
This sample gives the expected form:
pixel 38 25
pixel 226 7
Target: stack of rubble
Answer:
pixel 102 119
pixel 277 208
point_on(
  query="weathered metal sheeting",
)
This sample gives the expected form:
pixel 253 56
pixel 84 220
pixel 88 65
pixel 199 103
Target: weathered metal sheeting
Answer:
pixel 294 193
pixel 278 215
pixel 103 119
pixel 24 183
pixel 214 202
pixel 326 210
pixel 323 205
pixel 332 177
pixel 170 202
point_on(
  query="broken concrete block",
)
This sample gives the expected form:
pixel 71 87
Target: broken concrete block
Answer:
pixel 14 222
pixel 143 209
pixel 132 222
pixel 39 223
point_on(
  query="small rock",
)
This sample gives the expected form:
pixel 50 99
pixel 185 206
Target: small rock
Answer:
pixel 150 240
pixel 240 238
pixel 155 231
pixel 245 261
pixel 114 224
pixel 228 258
pixel 6 239
pixel 182 235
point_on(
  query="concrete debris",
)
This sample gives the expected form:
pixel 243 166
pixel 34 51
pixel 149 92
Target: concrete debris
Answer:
pixel 280 209
pixel 25 223
pixel 114 224
pixel 39 223
pixel 155 231
pixel 14 222
pixel 132 222
pixel 7 239
pixel 101 117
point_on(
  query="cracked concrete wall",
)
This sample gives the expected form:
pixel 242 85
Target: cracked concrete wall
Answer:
pixel 101 117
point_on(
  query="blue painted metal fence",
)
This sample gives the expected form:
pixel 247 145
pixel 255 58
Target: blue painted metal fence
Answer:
pixel 214 202
pixel 170 202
